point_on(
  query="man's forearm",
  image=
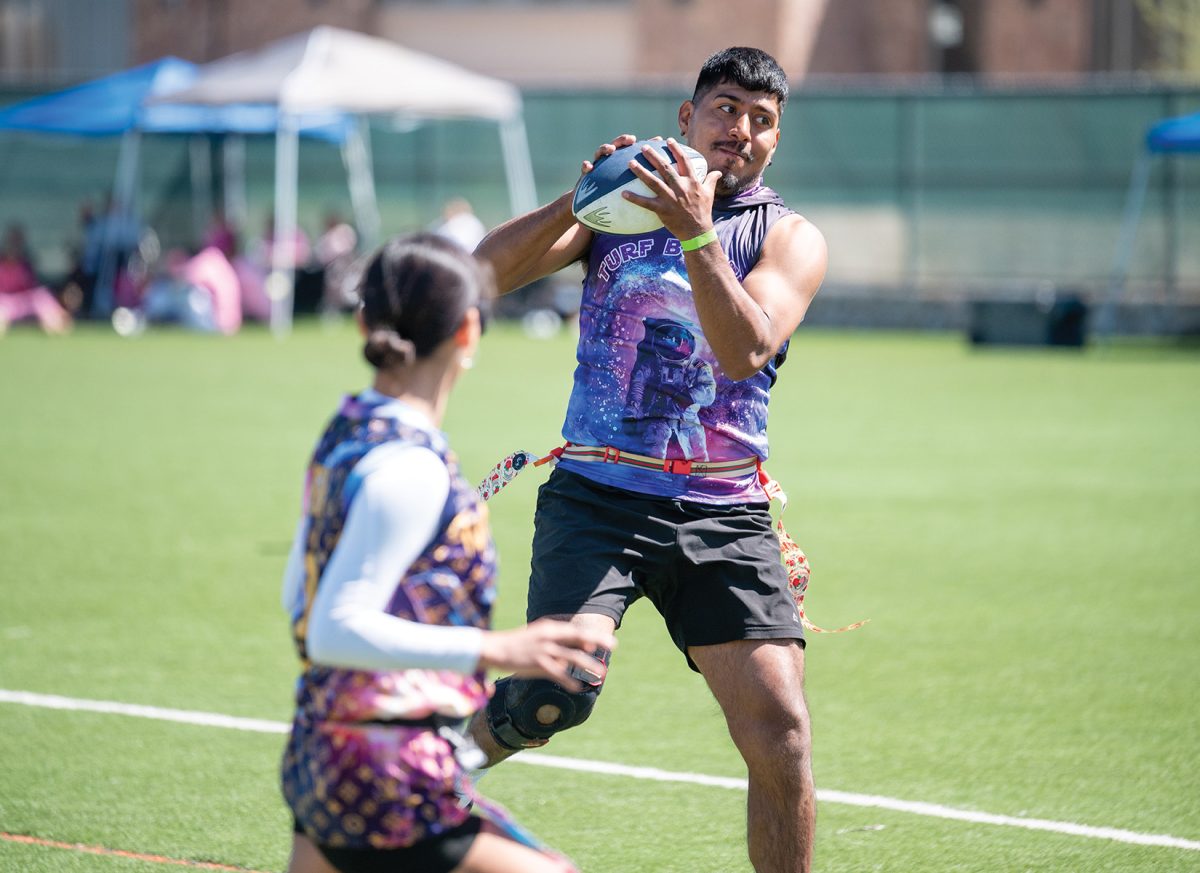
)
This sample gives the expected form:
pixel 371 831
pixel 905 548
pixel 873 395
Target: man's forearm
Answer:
pixel 521 249
pixel 737 328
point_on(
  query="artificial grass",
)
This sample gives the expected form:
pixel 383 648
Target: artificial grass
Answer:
pixel 1019 526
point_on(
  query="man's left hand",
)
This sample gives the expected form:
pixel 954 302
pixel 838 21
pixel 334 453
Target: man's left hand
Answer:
pixel 682 202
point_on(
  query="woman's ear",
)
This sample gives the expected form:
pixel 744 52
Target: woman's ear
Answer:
pixel 361 321
pixel 468 333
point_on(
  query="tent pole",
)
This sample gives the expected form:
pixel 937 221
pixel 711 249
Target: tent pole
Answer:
pixel 356 155
pixel 1135 199
pixel 281 283
pixel 518 166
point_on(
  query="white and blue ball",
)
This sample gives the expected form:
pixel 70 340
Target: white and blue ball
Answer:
pixel 598 204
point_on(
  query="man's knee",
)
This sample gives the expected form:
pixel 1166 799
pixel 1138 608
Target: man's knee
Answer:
pixel 524 713
pixel 780 735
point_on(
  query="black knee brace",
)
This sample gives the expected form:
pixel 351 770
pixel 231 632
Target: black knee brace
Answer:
pixel 512 711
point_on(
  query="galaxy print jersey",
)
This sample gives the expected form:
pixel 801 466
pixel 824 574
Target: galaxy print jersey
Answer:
pixel 360 769
pixel 647 381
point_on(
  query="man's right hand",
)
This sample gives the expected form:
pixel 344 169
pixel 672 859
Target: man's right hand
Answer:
pixel 625 139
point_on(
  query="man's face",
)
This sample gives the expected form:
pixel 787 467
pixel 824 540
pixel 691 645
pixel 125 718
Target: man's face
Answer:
pixel 736 130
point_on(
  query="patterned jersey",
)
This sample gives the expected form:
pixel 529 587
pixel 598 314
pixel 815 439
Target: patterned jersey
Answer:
pixel 647 381
pixel 351 774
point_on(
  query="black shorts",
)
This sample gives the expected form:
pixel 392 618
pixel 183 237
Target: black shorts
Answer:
pixel 439 854
pixel 713 572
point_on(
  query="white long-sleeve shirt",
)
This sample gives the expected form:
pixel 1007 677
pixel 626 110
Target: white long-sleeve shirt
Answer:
pixel 392 520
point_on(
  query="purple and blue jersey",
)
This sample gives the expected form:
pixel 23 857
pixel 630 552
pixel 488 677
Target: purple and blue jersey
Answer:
pixel 647 380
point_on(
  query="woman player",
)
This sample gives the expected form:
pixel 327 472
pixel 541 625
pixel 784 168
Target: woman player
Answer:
pixel 389 586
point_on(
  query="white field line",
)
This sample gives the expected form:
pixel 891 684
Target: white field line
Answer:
pixel 540 759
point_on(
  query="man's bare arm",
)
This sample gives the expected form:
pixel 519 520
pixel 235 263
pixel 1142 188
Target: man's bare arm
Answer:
pixel 747 322
pixel 534 245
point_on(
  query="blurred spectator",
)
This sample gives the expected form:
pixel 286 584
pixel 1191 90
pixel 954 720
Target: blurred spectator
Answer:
pixel 298 246
pixel 460 224
pixel 250 271
pixel 77 289
pixel 16 246
pixel 110 240
pixel 257 267
pixel 21 295
pixel 252 283
pixel 335 252
pixel 211 271
pixel 221 235
pixel 201 292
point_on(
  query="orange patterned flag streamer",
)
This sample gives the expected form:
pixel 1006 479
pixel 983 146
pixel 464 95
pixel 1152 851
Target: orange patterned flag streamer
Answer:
pixel 796 564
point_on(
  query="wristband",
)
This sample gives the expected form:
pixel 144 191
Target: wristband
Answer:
pixel 699 242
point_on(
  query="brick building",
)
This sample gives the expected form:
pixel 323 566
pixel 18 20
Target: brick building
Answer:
pixel 622 43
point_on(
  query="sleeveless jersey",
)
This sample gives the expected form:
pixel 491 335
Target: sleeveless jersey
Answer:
pixel 353 773
pixel 647 381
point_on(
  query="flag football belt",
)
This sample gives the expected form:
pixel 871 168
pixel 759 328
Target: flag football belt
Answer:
pixel 735 469
pixel 795 562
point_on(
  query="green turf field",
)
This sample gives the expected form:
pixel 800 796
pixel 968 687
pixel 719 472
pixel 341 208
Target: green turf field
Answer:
pixel 1021 527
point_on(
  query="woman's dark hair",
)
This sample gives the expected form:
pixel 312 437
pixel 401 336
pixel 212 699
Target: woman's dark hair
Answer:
pixel 415 292
pixel 749 68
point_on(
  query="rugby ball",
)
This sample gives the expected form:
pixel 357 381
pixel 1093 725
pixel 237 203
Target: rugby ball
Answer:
pixel 598 204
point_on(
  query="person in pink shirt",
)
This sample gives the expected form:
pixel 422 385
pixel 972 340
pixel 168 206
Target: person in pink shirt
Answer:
pixel 211 270
pixel 21 294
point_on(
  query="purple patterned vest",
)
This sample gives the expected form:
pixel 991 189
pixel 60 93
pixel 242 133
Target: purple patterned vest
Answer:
pixel 350 777
pixel 647 381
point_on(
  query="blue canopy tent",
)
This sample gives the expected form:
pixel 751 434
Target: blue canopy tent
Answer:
pixel 119 105
pixel 1170 136
pixel 1180 134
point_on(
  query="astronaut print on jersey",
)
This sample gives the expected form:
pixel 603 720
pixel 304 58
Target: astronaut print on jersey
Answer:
pixel 647 380
pixel 668 386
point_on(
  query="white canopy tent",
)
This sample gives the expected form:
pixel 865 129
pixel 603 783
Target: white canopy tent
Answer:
pixel 332 69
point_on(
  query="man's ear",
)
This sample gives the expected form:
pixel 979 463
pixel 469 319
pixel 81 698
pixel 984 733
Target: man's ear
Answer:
pixel 774 148
pixel 685 116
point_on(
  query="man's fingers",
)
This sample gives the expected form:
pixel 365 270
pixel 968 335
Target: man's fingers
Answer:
pixel 655 157
pixel 681 160
pixel 620 142
pixel 653 181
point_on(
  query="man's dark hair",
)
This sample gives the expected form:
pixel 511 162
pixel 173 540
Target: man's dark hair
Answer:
pixel 749 68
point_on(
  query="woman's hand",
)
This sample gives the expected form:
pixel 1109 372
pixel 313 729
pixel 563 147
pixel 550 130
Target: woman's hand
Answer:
pixel 548 649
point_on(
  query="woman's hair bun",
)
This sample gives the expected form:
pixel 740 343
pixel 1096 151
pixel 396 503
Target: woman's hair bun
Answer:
pixel 386 348
pixel 416 290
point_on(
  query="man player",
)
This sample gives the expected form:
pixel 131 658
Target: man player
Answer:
pixel 657 492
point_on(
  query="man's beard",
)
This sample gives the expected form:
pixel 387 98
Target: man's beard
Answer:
pixel 729 184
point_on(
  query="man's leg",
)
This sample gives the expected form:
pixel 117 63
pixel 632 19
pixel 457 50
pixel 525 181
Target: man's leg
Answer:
pixel 759 685
pixel 478 729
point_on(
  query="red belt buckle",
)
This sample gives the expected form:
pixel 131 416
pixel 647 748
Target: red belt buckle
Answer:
pixel 682 466
pixel 612 455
